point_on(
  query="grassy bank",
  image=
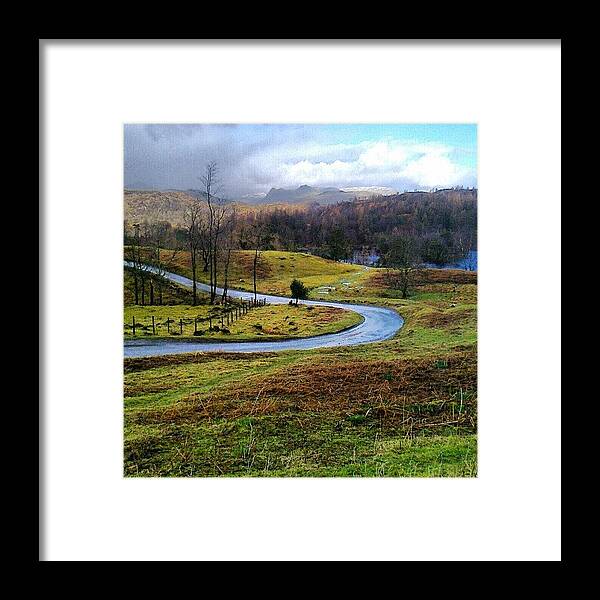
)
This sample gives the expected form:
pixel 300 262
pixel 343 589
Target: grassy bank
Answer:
pixel 271 322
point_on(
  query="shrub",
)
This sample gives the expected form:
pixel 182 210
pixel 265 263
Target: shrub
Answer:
pixel 299 290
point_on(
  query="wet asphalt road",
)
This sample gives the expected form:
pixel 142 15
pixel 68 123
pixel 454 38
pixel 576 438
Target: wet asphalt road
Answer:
pixel 379 324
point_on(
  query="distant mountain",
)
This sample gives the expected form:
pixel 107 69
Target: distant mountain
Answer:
pixel 145 206
pixel 153 205
pixel 305 194
pixel 199 194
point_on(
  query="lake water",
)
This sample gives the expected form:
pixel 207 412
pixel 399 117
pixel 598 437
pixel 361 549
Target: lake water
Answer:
pixel 468 263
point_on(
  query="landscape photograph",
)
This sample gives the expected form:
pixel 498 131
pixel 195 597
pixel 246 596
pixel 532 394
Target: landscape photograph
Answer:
pixel 300 300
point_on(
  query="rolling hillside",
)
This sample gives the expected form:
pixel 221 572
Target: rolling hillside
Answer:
pixel 140 206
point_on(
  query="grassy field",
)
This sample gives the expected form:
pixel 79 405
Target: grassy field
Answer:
pixel 403 407
pixel 264 323
pixel 276 270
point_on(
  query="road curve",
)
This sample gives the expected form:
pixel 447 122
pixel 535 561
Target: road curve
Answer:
pixel 379 324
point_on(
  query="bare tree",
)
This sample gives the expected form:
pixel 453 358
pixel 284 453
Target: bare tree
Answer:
pixel 204 244
pixel 193 229
pixel 160 258
pixel 131 253
pixel 217 218
pixel 135 258
pixel 260 237
pixel 228 242
pixel 219 221
pixel 402 260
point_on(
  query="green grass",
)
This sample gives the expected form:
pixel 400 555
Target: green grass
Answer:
pixel 294 447
pixel 406 407
pixel 271 322
pixel 277 269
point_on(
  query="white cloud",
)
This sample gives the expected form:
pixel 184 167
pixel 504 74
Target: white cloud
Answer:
pixel 383 154
pixel 434 170
pixel 389 164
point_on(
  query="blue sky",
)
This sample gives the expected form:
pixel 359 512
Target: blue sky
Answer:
pixel 253 158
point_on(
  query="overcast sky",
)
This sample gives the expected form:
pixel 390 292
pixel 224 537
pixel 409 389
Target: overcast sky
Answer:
pixel 254 158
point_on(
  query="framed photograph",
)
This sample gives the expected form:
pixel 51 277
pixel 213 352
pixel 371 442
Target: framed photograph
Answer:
pixel 294 297
pixel 309 308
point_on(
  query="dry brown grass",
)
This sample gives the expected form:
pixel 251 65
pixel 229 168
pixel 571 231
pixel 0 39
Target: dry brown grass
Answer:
pixel 439 319
pixel 428 277
pixel 415 394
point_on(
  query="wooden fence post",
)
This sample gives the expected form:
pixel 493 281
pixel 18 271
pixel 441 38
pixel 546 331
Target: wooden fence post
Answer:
pixel 195 324
pixel 153 326
pixel 181 326
pixel 133 325
pixel 168 325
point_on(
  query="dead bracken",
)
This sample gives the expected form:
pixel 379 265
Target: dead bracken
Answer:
pixel 417 393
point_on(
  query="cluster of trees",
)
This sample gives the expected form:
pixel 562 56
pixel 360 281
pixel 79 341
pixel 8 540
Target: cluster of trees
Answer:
pixel 146 250
pixel 444 223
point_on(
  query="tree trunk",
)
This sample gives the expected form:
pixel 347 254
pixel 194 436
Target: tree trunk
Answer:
pixel 254 272
pixel 151 292
pixel 211 277
pixel 404 285
pixel 135 288
pixel 225 275
pixel 193 251
pixel 213 291
pixel 194 286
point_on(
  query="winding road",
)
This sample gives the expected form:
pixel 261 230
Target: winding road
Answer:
pixel 379 324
